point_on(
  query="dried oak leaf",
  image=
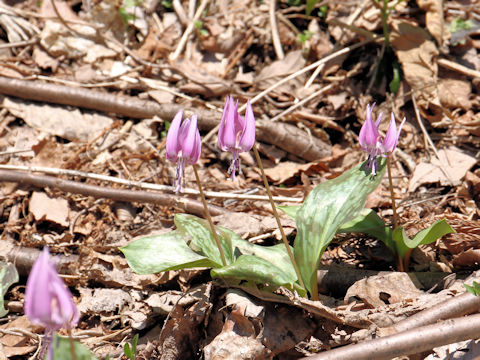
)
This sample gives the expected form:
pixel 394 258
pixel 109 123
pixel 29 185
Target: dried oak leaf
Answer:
pixel 452 161
pixel 434 18
pixel 379 290
pixel 44 208
pixel 418 55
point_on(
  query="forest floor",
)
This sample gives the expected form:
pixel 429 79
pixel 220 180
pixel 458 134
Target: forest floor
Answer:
pixel 88 90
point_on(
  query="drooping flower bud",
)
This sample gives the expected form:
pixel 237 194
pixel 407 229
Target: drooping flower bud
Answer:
pixel 391 137
pixel 236 134
pixel 183 146
pixel 371 141
pixel 48 302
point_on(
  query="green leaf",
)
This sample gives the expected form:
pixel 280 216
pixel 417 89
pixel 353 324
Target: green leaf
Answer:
pixel 127 351
pixel 290 210
pixel 8 276
pixel 459 24
pixel 156 253
pixel 197 231
pixel 310 6
pixel 258 270
pixel 276 254
pixel 370 223
pixel 394 85
pixel 474 289
pixel 430 234
pixel 134 345
pixel 61 349
pixel 326 208
pixel 400 238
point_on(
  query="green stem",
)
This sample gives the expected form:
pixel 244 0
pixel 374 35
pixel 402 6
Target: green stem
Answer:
pixel 385 14
pixel 207 215
pixel 402 264
pixel 72 344
pixel 392 195
pixel 275 214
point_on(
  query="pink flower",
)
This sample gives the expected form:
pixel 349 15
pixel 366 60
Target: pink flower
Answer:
pixel 183 146
pixel 236 133
pixel 371 141
pixel 48 301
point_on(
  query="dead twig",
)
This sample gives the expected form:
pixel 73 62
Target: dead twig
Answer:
pixel 188 31
pixel 141 184
pixel 188 205
pixel 301 102
pixel 277 44
pixel 408 342
pixel 459 68
pixel 32 41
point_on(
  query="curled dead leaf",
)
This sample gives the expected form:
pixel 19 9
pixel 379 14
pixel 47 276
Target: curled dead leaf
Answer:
pixel 434 18
pixel 379 290
pixel 418 55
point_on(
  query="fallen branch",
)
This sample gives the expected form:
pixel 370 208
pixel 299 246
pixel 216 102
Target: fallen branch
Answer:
pixel 285 136
pixel 457 306
pixel 188 205
pixel 408 342
pixel 24 257
pixel 140 184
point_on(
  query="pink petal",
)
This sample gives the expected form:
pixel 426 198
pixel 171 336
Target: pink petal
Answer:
pixel 37 297
pixel 391 137
pixel 369 132
pixel 65 313
pixel 227 138
pixel 190 142
pixel 247 138
pixel 173 145
pixel 221 129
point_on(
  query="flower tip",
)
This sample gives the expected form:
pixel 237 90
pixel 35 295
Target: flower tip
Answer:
pixel 391 137
pixel 173 144
pixel 47 299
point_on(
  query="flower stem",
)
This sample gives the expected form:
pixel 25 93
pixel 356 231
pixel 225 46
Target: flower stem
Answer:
pixel 207 215
pixel 392 195
pixel 385 13
pixel 402 264
pixel 72 344
pixel 275 214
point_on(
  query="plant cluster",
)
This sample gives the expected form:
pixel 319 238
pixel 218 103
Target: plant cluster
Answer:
pixel 334 206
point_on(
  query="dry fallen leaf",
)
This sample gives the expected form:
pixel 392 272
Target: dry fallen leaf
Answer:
pixel 276 71
pixel 44 208
pixel 417 54
pixel 455 93
pixel 60 121
pixel 434 18
pixel 455 162
pixel 470 257
pixel 238 340
pixel 18 345
pixel 57 40
pixel 287 170
pixel 379 290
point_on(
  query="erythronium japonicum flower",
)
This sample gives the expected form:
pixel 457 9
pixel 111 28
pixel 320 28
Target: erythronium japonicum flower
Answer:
pixel 236 133
pixel 371 141
pixel 183 146
pixel 48 301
